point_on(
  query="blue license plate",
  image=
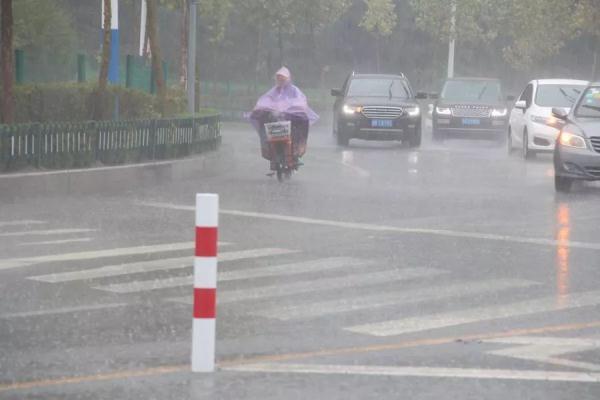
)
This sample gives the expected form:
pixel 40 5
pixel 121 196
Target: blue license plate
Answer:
pixel 382 123
pixel 471 121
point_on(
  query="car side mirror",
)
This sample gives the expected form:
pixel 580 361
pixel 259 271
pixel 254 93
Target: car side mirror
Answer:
pixel 560 113
pixel 510 98
pixel 421 96
pixel 434 96
pixel 336 92
pixel 521 104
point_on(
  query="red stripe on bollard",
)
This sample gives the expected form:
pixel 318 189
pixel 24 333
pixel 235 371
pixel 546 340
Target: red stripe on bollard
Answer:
pixel 206 242
pixel 205 303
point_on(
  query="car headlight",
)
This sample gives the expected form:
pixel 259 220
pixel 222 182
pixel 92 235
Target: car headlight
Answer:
pixel 413 111
pixel 550 121
pixel 351 110
pixel 443 111
pixel 499 112
pixel 569 139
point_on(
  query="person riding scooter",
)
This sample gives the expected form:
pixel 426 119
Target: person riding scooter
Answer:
pixel 284 101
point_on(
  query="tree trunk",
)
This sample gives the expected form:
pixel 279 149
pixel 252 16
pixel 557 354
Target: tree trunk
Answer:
pixel 185 29
pixel 156 55
pixel 100 99
pixel 8 100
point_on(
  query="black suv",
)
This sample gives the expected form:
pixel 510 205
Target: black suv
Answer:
pixel 377 107
pixel 471 107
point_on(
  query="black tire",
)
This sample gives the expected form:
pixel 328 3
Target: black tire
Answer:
pixel 280 162
pixel 342 139
pixel 414 140
pixel 562 184
pixel 527 153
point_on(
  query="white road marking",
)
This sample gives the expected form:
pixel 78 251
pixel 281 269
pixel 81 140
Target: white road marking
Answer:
pixel 424 372
pixel 148 266
pixel 548 349
pixel 396 298
pixel 66 310
pixel 479 314
pixel 323 264
pixel 90 255
pixel 95 169
pixel 316 285
pixel 18 223
pixel 46 232
pixel 66 241
pixel 387 228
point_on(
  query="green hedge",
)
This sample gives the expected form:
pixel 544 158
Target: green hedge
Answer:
pixel 71 102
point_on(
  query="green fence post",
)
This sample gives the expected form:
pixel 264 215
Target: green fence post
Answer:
pixel 129 71
pixel 19 66
pixel 81 71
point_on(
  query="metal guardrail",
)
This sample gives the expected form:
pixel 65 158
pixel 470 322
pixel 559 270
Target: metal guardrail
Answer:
pixel 75 145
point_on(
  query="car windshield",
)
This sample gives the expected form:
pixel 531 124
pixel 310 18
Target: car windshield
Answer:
pixel 558 95
pixel 379 87
pixel 589 106
pixel 472 91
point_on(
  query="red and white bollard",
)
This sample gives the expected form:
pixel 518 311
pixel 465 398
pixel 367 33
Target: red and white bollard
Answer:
pixel 205 283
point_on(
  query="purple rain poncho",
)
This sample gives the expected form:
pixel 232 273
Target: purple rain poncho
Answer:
pixel 292 103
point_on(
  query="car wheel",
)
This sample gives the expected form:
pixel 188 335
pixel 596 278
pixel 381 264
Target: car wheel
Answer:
pixel 414 140
pixel 528 154
pixel 562 184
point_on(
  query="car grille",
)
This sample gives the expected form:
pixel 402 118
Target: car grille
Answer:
pixel 596 143
pixel 380 112
pixel 471 111
pixel 594 171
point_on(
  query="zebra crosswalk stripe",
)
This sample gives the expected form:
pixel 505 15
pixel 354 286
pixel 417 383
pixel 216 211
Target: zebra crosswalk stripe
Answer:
pixel 149 266
pixel 318 285
pixel 47 232
pixel 396 298
pixel 478 314
pixel 23 222
pixel 95 254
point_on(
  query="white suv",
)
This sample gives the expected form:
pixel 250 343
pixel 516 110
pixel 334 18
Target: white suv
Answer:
pixel 532 128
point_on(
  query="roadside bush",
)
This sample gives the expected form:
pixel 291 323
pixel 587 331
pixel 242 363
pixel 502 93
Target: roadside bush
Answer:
pixel 70 102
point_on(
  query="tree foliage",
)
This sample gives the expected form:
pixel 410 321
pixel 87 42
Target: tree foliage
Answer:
pixel 380 17
pixel 44 26
pixel 538 29
pixel 527 31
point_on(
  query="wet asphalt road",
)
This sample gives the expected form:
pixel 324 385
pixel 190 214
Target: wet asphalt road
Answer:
pixel 449 272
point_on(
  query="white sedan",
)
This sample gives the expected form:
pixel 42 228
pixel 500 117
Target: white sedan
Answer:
pixel 532 128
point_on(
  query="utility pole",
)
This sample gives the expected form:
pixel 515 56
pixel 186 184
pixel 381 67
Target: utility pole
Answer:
pixel 113 66
pixel 452 44
pixel 191 70
pixel 143 17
